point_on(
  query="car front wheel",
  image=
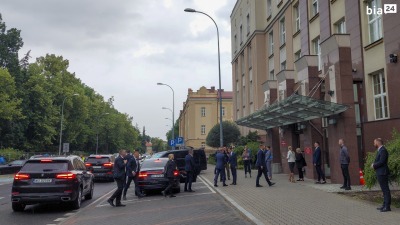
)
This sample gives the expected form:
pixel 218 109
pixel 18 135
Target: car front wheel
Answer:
pixel 18 207
pixel 89 195
pixel 76 204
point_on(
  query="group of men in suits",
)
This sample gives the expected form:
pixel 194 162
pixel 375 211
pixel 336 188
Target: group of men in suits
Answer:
pixel 126 170
pixel 225 156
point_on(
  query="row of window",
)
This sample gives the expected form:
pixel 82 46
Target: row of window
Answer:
pixel 203 111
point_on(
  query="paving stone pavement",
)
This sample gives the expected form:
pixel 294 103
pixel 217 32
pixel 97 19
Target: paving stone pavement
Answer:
pixel 300 202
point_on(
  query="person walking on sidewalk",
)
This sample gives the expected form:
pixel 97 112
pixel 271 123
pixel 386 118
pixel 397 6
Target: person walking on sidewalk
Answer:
pixel 262 167
pixel 300 163
pixel 119 176
pixel 344 164
pixel 291 157
pixel 169 169
pixel 190 169
pixel 317 163
pixel 381 168
pixel 220 167
pixel 268 161
pixel 233 163
pixel 246 157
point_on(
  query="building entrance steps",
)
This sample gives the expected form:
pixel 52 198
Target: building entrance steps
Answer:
pixel 303 202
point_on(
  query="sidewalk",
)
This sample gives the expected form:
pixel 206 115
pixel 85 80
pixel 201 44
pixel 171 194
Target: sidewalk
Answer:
pixel 7 178
pixel 298 203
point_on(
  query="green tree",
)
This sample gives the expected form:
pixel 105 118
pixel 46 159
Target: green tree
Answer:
pixel 231 134
pixel 9 103
pixel 176 129
pixel 158 144
pixel 10 44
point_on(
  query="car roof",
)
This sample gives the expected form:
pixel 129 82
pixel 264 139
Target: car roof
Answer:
pixel 101 155
pixel 57 157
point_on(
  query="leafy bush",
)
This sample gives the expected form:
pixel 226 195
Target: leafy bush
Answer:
pixel 11 154
pixel 393 147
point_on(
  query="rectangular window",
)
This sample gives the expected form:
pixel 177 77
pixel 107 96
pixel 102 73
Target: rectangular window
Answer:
pixel 235 43
pixel 237 94
pixel 203 111
pixel 283 65
pixel 282 58
pixel 241 34
pixel 340 27
pixel 242 62
pixel 296 17
pixel 269 8
pixel 271 69
pixel 375 22
pixel 271 42
pixel 249 57
pixel 223 111
pixel 283 31
pixel 314 8
pixel 380 97
pixel 251 85
pixel 248 23
pixel 244 102
pixel 317 51
pixel 272 75
pixel 203 129
pixel 297 55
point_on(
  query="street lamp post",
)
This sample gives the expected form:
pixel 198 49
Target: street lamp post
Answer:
pixel 61 122
pixel 97 131
pixel 221 140
pixel 173 111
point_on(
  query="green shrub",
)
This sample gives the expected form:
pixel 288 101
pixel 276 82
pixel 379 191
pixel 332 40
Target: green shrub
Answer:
pixel 11 154
pixel 211 159
pixel 393 147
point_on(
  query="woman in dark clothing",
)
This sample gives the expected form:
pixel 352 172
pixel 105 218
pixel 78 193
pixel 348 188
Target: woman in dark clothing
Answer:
pixel 300 163
pixel 170 167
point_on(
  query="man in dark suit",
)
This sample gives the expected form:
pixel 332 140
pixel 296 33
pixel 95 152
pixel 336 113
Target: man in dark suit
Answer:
pixel 190 169
pixel 317 163
pixel 381 168
pixel 233 164
pixel 132 172
pixel 129 172
pixel 262 166
pixel 344 164
pixel 119 176
pixel 220 167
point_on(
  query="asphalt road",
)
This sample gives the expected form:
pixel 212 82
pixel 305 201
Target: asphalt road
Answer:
pixel 43 214
pixel 201 207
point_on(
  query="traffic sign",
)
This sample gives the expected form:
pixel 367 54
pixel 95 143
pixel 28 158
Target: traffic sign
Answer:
pixel 307 150
pixel 179 140
pixel 172 143
pixel 65 147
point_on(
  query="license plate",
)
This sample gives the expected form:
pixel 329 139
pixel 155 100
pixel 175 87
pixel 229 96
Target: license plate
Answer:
pixel 39 181
pixel 158 175
pixel 96 167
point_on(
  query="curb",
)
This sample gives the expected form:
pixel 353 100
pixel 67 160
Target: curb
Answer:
pixel 234 204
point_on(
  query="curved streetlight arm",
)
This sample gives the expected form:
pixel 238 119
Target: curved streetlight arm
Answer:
pixel 167 108
pixel 173 110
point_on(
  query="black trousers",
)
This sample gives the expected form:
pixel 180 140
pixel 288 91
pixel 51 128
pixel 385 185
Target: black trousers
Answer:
pixel 384 183
pixel 320 173
pixel 217 173
pixel 128 184
pixel 346 175
pixel 261 171
pixel 234 174
pixel 189 180
pixel 247 166
pixel 168 190
pixel 300 169
pixel 118 193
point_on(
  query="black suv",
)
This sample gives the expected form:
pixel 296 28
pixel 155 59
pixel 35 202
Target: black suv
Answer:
pixel 199 156
pixel 59 179
pixel 101 166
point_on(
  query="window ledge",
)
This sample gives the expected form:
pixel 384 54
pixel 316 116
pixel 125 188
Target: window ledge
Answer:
pixel 282 46
pixel 241 43
pixel 269 17
pixel 373 44
pixel 333 1
pixel 297 33
pixel 280 3
pixel 248 33
pixel 314 17
pixel 271 56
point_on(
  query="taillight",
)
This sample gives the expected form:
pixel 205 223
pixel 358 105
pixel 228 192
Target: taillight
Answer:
pixel 22 176
pixel 46 160
pixel 176 173
pixel 88 164
pixel 143 174
pixel 67 176
pixel 107 164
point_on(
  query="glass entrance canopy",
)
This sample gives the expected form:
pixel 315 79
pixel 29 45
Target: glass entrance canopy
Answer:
pixel 294 109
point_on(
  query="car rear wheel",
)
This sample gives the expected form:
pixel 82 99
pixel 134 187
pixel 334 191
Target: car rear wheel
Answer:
pixel 76 204
pixel 89 195
pixel 18 207
pixel 177 190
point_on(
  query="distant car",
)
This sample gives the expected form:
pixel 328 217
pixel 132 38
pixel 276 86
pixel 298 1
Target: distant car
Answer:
pixel 101 166
pixel 12 167
pixel 151 176
pixel 199 156
pixel 60 179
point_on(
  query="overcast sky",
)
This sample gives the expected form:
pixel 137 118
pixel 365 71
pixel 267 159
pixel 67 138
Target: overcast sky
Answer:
pixel 122 48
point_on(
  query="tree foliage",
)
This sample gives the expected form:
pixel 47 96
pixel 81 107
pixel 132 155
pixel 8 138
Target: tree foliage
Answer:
pixel 230 131
pixel 176 131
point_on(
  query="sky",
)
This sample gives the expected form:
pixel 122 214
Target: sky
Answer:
pixel 123 48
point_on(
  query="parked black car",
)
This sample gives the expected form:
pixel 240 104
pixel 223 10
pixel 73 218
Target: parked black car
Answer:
pixel 12 167
pixel 199 158
pixel 61 179
pixel 151 175
pixel 101 166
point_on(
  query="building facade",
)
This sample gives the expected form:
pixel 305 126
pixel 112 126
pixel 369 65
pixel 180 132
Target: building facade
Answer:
pixel 316 70
pixel 201 112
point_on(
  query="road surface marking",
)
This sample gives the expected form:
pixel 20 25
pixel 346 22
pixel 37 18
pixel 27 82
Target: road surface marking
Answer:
pixel 209 187
pixel 59 219
pixel 69 214
pixel 1 198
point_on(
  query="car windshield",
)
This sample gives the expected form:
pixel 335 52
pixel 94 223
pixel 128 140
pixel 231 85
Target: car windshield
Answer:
pixel 17 162
pixel 157 155
pixel 153 163
pixel 38 166
pixel 98 160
